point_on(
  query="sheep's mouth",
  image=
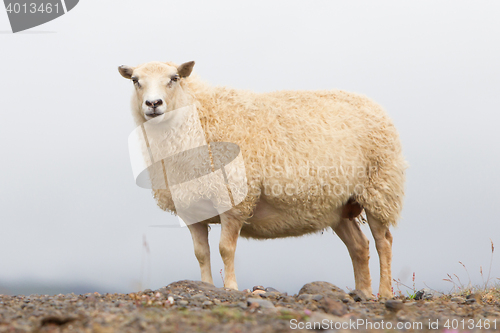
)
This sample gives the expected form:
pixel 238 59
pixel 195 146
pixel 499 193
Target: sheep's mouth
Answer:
pixel 154 114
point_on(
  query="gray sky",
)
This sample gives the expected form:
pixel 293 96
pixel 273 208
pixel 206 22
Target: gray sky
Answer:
pixel 71 213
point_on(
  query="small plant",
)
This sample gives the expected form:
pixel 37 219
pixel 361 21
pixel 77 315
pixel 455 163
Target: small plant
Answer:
pixel 412 293
pixel 491 263
pixel 458 286
pixel 145 263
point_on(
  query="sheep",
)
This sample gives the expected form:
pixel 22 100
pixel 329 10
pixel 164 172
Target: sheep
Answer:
pixel 313 160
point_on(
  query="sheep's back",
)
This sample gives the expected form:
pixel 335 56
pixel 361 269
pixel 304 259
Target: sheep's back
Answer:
pixel 304 139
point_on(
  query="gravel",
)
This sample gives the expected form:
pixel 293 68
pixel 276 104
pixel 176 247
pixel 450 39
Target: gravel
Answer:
pixel 192 306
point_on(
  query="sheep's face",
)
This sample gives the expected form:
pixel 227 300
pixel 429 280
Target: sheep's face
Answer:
pixel 157 86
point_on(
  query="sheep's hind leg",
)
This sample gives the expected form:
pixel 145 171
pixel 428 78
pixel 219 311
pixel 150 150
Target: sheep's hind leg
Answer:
pixel 358 246
pixel 230 231
pixel 199 233
pixel 383 243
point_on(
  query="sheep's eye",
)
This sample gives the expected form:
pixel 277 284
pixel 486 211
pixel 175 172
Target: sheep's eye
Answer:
pixel 175 78
pixel 135 80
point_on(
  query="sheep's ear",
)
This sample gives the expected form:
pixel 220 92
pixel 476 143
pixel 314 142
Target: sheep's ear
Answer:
pixel 185 69
pixel 126 71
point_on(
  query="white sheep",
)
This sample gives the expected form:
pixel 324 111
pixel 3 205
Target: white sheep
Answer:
pixel 313 159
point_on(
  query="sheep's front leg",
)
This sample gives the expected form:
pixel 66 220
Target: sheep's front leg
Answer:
pixel 383 243
pixel 230 231
pixel 199 233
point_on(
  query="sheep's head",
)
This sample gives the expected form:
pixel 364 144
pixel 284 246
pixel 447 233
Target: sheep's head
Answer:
pixel 158 87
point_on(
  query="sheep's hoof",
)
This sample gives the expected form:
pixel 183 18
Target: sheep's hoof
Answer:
pixel 384 297
pixel 231 285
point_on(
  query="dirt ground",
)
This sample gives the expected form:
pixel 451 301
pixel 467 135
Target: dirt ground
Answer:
pixel 192 306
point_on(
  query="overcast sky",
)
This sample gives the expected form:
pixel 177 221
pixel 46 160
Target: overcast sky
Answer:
pixel 71 213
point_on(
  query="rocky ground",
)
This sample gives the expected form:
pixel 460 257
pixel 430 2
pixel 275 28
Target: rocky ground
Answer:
pixel 191 306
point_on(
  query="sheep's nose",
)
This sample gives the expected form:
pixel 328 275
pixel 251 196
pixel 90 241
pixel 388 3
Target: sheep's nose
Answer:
pixel 155 103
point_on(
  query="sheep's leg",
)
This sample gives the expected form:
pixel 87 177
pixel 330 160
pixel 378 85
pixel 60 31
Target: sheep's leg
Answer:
pixel 383 243
pixel 199 233
pixel 358 246
pixel 230 231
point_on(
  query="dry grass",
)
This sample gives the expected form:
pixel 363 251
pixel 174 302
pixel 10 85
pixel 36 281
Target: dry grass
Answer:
pixel 488 291
pixel 467 289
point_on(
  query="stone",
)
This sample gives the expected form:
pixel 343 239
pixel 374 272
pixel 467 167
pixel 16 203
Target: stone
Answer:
pixel 324 288
pixel 305 297
pixel 263 303
pixel 348 300
pixel 258 292
pixel 190 284
pixel 358 296
pixel 199 297
pixel 425 294
pixel 393 305
pixel 458 299
pixel 334 306
pixel 320 287
pixel 183 303
pixel 258 288
pixel 272 290
pixel 473 298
